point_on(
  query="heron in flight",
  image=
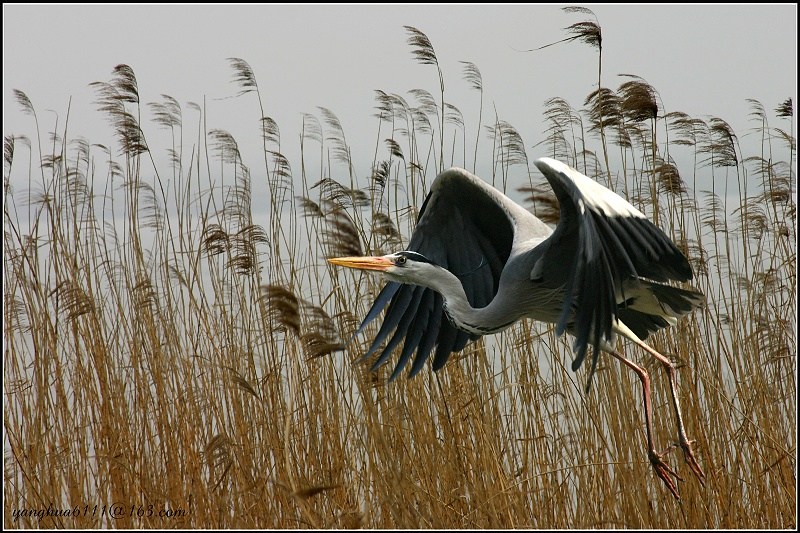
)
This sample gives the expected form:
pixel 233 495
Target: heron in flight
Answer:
pixel 477 263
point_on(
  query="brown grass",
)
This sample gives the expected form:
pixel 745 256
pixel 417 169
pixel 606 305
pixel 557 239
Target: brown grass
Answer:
pixel 171 363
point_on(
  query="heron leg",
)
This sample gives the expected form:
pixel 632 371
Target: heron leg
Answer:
pixel 685 442
pixel 662 469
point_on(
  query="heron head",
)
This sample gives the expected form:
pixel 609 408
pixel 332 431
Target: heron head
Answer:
pixel 406 266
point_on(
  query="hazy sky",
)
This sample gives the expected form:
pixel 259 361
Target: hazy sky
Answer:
pixel 702 60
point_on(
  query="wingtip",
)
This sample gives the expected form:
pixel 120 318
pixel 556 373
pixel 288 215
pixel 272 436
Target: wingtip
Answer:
pixel 452 173
pixel 549 164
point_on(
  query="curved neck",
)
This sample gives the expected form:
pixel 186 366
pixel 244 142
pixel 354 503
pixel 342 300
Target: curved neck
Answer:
pixel 480 321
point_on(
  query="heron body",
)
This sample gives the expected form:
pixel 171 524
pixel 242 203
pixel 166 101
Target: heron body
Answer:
pixel 477 263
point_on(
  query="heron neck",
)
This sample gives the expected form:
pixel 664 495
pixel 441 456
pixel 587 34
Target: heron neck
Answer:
pixel 479 321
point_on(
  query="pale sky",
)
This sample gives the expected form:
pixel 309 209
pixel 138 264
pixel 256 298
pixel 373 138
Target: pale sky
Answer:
pixel 702 60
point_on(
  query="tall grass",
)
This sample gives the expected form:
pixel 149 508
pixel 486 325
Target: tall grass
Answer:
pixel 176 356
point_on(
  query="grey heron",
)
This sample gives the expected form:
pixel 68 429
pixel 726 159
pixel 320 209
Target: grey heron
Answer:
pixel 477 262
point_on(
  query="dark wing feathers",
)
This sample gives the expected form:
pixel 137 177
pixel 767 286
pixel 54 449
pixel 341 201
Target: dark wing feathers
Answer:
pixel 397 313
pixel 428 340
pixel 652 253
pixel 642 324
pixel 606 241
pixel 384 297
pixel 461 228
pixel 413 335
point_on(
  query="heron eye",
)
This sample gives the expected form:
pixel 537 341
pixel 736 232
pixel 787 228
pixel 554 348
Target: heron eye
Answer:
pixel 401 260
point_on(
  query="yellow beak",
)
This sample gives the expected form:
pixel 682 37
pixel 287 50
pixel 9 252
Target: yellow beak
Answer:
pixel 362 263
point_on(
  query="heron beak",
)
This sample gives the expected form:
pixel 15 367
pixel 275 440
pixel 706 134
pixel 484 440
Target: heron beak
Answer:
pixel 362 263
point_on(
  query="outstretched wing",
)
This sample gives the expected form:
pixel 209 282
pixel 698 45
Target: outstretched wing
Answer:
pixel 604 241
pixel 467 227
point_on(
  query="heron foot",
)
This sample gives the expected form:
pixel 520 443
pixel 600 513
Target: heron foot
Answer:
pixel 688 455
pixel 664 471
